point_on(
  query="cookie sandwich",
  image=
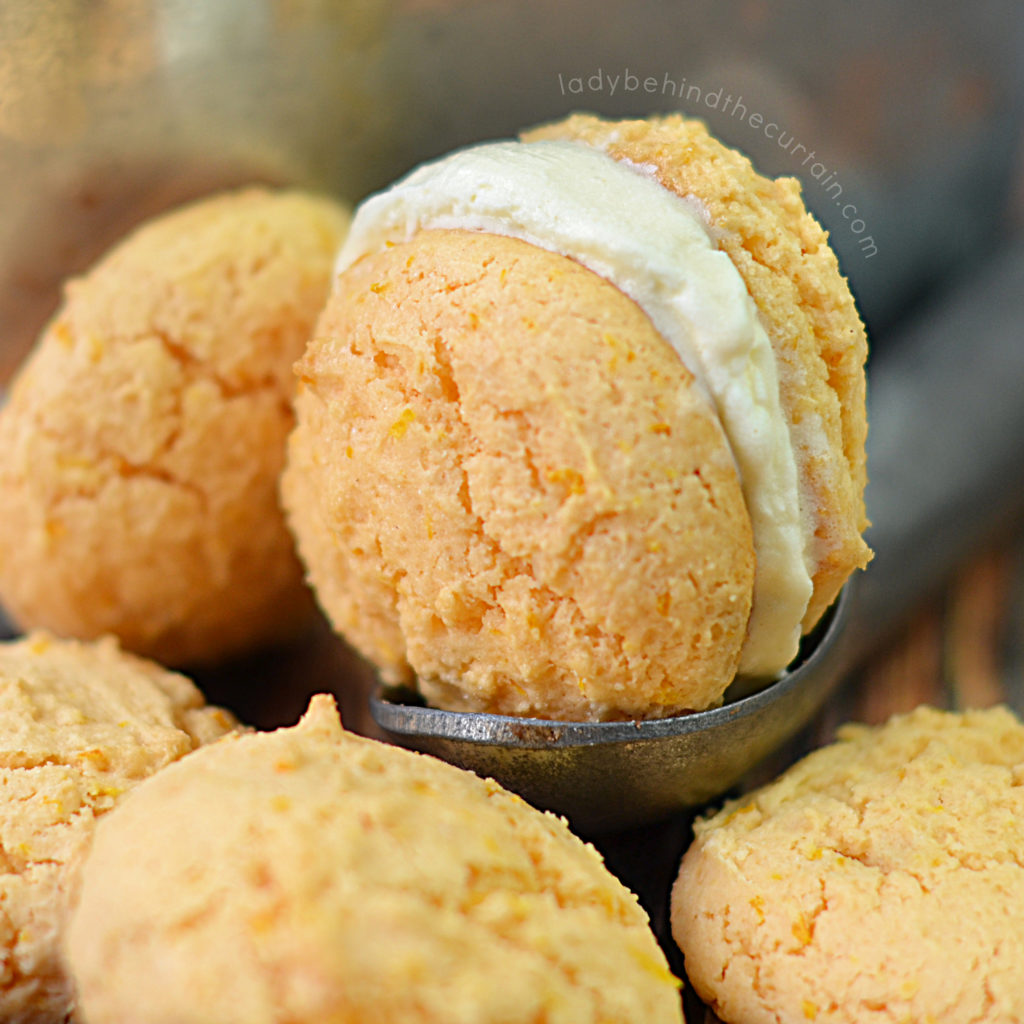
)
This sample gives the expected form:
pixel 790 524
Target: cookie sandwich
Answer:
pixel 580 432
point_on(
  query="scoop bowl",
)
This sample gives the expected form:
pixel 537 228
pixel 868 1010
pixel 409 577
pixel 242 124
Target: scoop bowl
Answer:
pixel 612 775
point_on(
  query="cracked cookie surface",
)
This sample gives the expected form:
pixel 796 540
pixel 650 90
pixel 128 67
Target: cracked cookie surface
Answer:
pixel 142 440
pixel 80 725
pixel 880 879
pixel 327 877
pixel 504 480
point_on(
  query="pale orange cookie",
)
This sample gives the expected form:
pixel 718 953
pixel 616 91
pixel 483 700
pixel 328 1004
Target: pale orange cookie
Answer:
pixel 80 725
pixel 530 533
pixel 311 876
pixel 141 442
pixel 880 879
pixel 560 451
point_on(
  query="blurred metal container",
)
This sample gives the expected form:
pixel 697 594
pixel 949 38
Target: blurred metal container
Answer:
pixel 113 109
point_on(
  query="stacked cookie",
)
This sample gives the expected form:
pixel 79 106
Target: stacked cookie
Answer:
pixel 581 429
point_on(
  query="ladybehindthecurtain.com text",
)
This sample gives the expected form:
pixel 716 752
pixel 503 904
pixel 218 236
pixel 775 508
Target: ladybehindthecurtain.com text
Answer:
pixel 696 96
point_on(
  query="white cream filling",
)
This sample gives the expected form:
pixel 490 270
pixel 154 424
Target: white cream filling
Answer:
pixel 619 222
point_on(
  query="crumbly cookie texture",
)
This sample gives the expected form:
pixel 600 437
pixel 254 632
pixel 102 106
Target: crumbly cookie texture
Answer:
pixel 792 274
pixel 879 879
pixel 80 725
pixel 323 877
pixel 141 442
pixel 528 505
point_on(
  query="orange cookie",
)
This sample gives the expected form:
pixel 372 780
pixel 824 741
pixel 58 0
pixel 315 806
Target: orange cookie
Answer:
pixel 560 451
pixel 531 534
pixel 312 876
pixel 141 442
pixel 878 880
pixel 80 725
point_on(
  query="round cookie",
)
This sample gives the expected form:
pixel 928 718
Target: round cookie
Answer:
pixel 309 875
pixel 142 440
pixel 879 879
pixel 80 725
pixel 792 274
pixel 482 519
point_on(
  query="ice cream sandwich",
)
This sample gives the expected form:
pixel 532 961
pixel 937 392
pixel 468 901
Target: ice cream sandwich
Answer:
pixel 580 433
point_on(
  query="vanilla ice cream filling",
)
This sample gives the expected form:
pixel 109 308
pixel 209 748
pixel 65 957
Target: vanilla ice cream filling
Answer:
pixel 619 222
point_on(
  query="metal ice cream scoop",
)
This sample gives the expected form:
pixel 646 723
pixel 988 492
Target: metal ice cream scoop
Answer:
pixel 946 462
